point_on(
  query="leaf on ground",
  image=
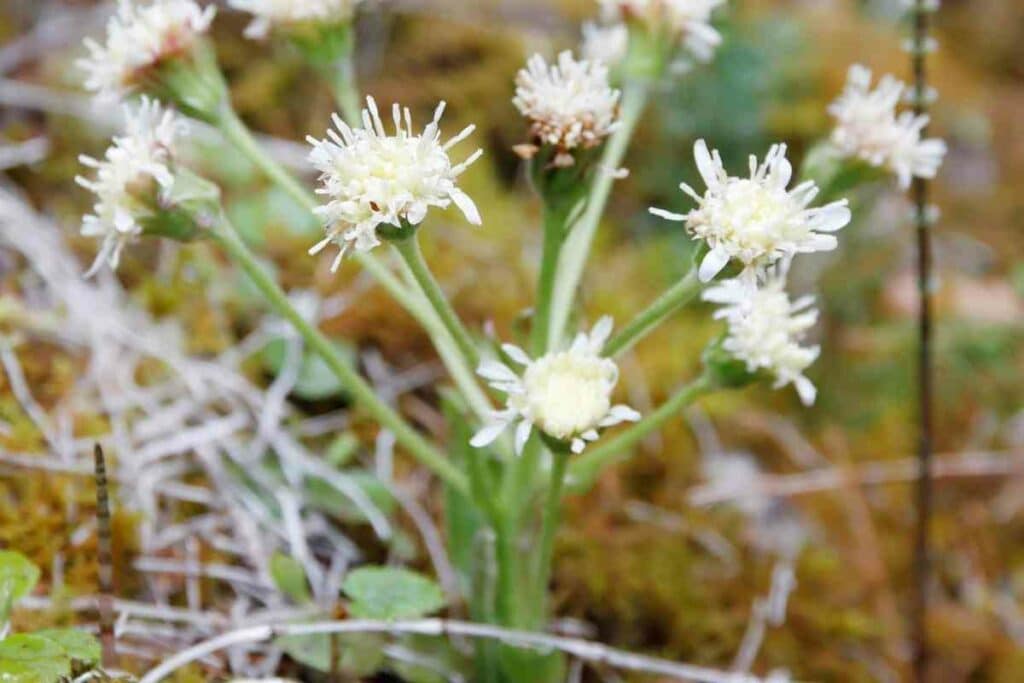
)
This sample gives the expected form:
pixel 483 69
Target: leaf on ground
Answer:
pixel 391 593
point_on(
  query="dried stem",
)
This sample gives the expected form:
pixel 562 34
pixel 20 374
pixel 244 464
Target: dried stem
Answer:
pixel 922 568
pixel 581 649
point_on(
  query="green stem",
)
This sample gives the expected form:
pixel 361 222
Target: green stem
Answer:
pixel 585 469
pixel 670 301
pixel 226 236
pixel 577 247
pixel 239 135
pixel 549 526
pixel 554 235
pixel 346 92
pixel 409 248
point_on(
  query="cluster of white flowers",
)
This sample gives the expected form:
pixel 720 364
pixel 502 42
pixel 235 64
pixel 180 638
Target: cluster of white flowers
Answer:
pixel 869 127
pixel 139 37
pixel 269 13
pixel 565 394
pixel 138 166
pixel 569 104
pixel 756 220
pixel 606 43
pixel 689 21
pixel 766 328
pixel 371 178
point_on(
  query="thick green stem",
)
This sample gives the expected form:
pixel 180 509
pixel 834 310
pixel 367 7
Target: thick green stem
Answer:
pixel 226 236
pixel 577 245
pixel 239 135
pixel 346 91
pixel 585 469
pixel 549 527
pixel 409 248
pixel 554 236
pixel 670 301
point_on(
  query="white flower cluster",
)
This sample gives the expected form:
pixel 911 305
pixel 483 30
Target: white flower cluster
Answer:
pixel 565 394
pixel 139 37
pixel 371 178
pixel 869 127
pixel 268 13
pixel 766 328
pixel 756 220
pixel 569 104
pixel 689 21
pixel 138 166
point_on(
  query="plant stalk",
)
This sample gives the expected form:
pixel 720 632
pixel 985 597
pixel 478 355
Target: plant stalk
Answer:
pixel 925 371
pixel 554 237
pixel 549 527
pixel 584 470
pixel 577 246
pixel 224 234
pixel 409 249
pixel 670 301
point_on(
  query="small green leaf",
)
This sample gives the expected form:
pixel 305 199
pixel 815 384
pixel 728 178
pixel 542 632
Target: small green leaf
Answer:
pixel 391 593
pixel 18 672
pixel 290 577
pixel 41 656
pixel 18 576
pixel 316 380
pixel 80 646
pixel 326 497
pixel 361 654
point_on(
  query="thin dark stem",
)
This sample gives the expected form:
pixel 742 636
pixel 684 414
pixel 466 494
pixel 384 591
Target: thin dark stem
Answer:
pixel 105 560
pixel 922 560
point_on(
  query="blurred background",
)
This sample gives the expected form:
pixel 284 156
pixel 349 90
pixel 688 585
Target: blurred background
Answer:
pixel 754 533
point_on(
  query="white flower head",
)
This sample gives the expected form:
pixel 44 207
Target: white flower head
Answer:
pixel 766 328
pixel 270 13
pixel 756 220
pixel 570 104
pixel 687 21
pixel 606 43
pixel 371 178
pixel 140 37
pixel 564 394
pixel 136 168
pixel 869 127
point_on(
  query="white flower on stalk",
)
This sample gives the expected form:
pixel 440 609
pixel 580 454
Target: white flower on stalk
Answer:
pixel 140 37
pixel 565 394
pixel 765 329
pixel 268 13
pixel 756 220
pixel 371 178
pixel 868 127
pixel 688 21
pixel 569 103
pixel 136 170
pixel 606 43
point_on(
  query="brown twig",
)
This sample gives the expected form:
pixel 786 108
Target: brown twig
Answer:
pixel 925 372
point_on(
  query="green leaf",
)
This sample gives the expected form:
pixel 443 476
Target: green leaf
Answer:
pixel 40 656
pixel 325 496
pixel 290 577
pixel 18 672
pixel 80 646
pixel 316 380
pixel 391 593
pixel 18 576
pixel 360 654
